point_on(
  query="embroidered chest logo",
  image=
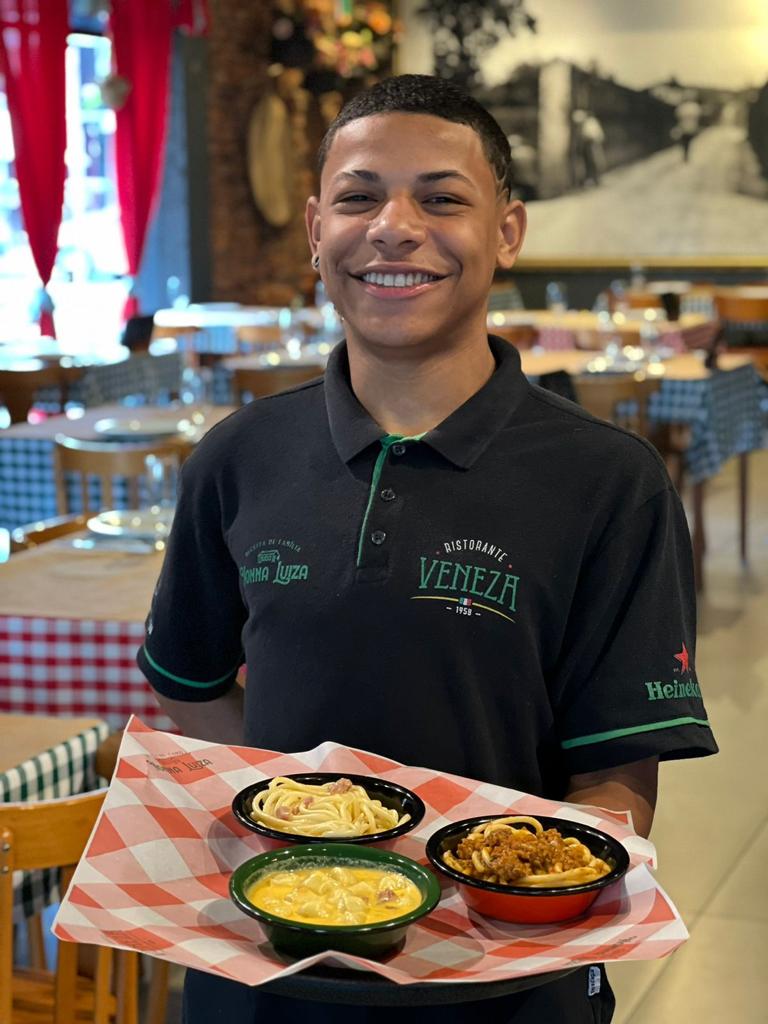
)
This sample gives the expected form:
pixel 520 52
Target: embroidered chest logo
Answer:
pixel 273 561
pixel 470 577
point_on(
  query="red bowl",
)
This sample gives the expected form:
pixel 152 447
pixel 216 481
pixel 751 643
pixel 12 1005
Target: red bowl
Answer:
pixel 522 904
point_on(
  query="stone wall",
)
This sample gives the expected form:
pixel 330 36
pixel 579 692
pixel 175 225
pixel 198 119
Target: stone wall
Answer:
pixel 251 261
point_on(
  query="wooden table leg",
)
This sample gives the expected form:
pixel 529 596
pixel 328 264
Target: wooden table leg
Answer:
pixel 698 538
pixel 743 495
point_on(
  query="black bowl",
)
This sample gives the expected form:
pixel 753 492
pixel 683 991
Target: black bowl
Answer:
pixel 302 939
pixel 389 793
pixel 526 904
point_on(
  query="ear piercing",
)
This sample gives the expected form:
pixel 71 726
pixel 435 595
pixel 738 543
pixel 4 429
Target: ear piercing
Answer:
pixel 316 261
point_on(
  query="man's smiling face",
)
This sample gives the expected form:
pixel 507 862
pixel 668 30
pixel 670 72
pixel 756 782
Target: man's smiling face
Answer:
pixel 410 226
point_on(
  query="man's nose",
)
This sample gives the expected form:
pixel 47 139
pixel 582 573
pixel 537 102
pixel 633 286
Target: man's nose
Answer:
pixel 399 225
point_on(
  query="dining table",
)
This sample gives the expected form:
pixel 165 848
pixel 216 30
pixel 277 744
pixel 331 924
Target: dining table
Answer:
pixel 585 329
pixel 42 758
pixel 27 482
pixel 71 621
pixel 722 405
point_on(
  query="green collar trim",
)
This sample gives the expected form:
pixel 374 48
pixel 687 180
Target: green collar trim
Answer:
pixel 386 443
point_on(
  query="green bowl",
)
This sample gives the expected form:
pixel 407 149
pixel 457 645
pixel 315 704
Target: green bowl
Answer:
pixel 302 940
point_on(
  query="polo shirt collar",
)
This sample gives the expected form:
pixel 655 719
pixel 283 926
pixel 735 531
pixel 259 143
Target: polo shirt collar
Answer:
pixel 461 437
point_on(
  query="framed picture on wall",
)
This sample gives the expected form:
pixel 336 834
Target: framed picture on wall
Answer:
pixel 639 131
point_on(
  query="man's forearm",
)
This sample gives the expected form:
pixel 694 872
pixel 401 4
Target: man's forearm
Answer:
pixel 630 787
pixel 220 721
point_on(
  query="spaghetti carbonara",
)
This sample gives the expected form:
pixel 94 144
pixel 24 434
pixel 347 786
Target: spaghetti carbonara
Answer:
pixel 335 809
pixel 500 852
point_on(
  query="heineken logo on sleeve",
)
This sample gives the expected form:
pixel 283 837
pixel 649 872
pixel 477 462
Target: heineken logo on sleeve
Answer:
pixel 471 577
pixel 678 689
pixel 274 560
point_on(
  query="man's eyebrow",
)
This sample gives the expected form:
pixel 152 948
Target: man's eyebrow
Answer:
pixel 427 176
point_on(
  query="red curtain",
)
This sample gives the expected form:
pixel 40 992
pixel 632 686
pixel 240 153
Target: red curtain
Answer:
pixel 33 41
pixel 141 39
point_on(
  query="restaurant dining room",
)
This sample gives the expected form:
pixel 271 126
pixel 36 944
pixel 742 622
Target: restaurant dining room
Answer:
pixel 473 298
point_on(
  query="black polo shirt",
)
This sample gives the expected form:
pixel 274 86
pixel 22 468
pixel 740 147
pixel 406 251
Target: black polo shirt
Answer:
pixel 508 597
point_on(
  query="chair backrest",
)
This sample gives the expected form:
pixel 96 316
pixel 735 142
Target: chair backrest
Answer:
pixel 637 299
pixel 105 461
pixel 260 383
pixel 29 536
pixel 621 399
pixel 52 834
pixel 18 387
pixel 254 337
pixel 522 336
pixel 742 307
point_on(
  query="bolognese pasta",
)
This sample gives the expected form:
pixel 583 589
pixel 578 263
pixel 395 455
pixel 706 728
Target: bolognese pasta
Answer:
pixel 519 851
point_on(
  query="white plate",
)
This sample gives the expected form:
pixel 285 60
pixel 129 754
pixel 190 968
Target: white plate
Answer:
pixel 144 523
pixel 139 428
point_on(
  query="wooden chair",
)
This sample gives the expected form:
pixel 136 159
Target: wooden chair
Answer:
pixel 105 762
pixel 260 383
pixel 53 834
pixel 18 387
pixel 251 337
pixel 522 336
pixel 637 299
pixel 619 398
pixel 106 461
pixel 183 334
pixel 744 313
pixel 29 536
pixel 743 305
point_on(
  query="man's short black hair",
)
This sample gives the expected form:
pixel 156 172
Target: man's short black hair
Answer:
pixel 425 94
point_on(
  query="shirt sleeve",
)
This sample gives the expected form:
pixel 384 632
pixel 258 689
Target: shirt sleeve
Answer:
pixel 193 649
pixel 626 686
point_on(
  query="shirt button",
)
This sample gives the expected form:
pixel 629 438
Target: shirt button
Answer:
pixel 398 449
pixel 378 537
pixel 388 494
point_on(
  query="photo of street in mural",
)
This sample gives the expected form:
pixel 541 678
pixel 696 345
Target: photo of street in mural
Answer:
pixel 638 131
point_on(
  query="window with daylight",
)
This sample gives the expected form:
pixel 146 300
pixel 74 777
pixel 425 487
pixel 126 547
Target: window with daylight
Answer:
pixel 91 262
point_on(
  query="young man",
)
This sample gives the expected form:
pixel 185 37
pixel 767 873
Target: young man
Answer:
pixel 423 555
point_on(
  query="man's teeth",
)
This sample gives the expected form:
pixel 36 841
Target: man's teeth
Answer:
pixel 398 280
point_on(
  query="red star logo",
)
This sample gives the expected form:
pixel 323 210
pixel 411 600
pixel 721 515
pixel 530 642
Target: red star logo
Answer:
pixel 682 657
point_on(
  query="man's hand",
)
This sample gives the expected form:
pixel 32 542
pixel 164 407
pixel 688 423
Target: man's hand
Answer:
pixel 220 721
pixel 628 787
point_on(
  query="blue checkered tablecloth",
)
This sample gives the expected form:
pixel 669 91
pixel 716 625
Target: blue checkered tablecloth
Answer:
pixel 64 770
pixel 723 412
pixel 152 379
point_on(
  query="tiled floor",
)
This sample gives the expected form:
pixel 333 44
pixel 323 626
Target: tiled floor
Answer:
pixel 711 827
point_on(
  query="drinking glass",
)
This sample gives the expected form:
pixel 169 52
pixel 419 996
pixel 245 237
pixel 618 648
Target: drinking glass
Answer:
pixel 162 479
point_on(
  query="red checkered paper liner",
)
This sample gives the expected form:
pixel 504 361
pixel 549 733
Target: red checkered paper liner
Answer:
pixel 156 872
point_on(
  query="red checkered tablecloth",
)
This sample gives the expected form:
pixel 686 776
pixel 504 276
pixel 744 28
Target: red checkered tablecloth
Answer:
pixel 675 339
pixel 57 666
pixel 156 871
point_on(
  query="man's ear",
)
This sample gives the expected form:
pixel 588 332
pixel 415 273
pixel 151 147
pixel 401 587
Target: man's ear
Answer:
pixel 511 234
pixel 312 221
